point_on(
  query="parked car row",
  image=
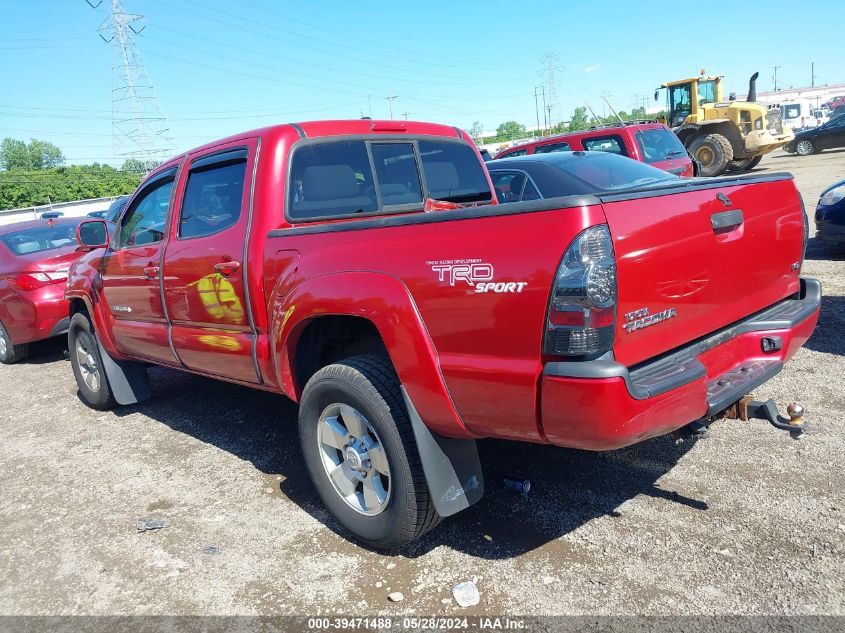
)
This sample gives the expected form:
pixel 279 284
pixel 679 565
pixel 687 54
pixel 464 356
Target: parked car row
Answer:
pixel 651 143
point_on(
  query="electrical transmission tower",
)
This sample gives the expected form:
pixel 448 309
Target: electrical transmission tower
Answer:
pixel 139 128
pixel 549 73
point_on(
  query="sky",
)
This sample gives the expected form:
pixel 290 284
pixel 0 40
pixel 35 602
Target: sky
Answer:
pixel 224 67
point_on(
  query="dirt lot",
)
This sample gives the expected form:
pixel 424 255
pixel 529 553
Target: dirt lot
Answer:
pixel 745 521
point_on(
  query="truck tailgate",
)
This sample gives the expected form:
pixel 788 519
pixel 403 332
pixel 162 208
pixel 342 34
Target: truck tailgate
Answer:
pixel 692 259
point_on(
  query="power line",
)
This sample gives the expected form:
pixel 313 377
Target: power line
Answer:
pixel 332 44
pixel 415 54
pixel 264 54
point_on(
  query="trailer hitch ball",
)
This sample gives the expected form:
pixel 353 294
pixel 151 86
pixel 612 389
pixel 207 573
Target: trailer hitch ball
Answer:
pixel 748 409
pixel 795 412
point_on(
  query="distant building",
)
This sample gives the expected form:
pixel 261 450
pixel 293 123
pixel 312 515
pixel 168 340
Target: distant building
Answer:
pixel 816 94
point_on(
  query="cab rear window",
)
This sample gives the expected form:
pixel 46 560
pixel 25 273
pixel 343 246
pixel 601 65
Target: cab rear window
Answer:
pixel 40 239
pixel 335 179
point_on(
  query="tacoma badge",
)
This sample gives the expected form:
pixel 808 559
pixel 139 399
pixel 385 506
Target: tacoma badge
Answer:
pixel 638 319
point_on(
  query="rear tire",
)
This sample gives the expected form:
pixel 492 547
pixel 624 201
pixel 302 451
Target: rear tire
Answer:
pixel 354 425
pixel 87 364
pixel 805 148
pixel 10 353
pixel 745 164
pixel 714 152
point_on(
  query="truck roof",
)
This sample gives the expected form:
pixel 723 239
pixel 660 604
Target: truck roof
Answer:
pixel 341 127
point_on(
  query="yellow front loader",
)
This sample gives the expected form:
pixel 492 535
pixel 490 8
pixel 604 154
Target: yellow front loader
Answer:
pixel 722 135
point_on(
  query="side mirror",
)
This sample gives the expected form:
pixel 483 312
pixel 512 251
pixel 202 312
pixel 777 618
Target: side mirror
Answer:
pixel 92 234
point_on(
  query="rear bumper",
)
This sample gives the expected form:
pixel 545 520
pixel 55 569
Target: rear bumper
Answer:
pixel 37 315
pixel 602 405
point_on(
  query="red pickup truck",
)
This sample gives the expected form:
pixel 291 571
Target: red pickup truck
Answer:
pixel 365 270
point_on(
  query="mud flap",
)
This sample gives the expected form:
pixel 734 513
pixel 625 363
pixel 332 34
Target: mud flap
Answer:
pixel 452 467
pixel 129 381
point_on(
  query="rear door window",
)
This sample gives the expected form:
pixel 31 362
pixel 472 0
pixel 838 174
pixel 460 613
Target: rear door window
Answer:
pixel 551 148
pixel 611 143
pixel 335 179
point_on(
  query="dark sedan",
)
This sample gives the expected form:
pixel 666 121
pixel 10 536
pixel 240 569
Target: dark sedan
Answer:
pixel 830 214
pixel 569 173
pixel 827 136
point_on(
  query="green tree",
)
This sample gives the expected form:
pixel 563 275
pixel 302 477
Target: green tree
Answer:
pixel 15 154
pixel 29 187
pixel 134 165
pixel 476 130
pixel 579 120
pixel 44 155
pixel 510 130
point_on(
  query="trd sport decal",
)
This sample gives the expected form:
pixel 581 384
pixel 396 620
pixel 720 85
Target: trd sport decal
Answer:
pixel 474 273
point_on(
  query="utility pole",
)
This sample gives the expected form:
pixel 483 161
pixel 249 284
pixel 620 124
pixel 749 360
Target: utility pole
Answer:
pixel 405 114
pixel 812 74
pixel 537 110
pixel 370 104
pixel 545 125
pixel 390 98
pixel 604 97
pixel 776 77
pixel 139 128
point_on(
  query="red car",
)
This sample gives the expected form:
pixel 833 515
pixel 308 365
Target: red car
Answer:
pixel 651 143
pixel 365 270
pixel 34 258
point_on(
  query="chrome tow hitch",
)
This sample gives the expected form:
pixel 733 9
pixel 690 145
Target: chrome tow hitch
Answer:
pixel 748 408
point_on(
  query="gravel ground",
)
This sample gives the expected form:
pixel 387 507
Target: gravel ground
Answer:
pixel 746 521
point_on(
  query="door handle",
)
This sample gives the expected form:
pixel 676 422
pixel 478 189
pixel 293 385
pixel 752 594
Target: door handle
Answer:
pixel 151 272
pixel 227 268
pixel 726 219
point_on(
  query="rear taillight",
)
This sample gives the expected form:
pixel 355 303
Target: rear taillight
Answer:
pixel 34 281
pixel 582 310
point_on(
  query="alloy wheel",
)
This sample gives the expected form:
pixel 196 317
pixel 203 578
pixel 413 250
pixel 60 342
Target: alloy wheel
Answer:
pixel 804 148
pixel 88 368
pixel 354 459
